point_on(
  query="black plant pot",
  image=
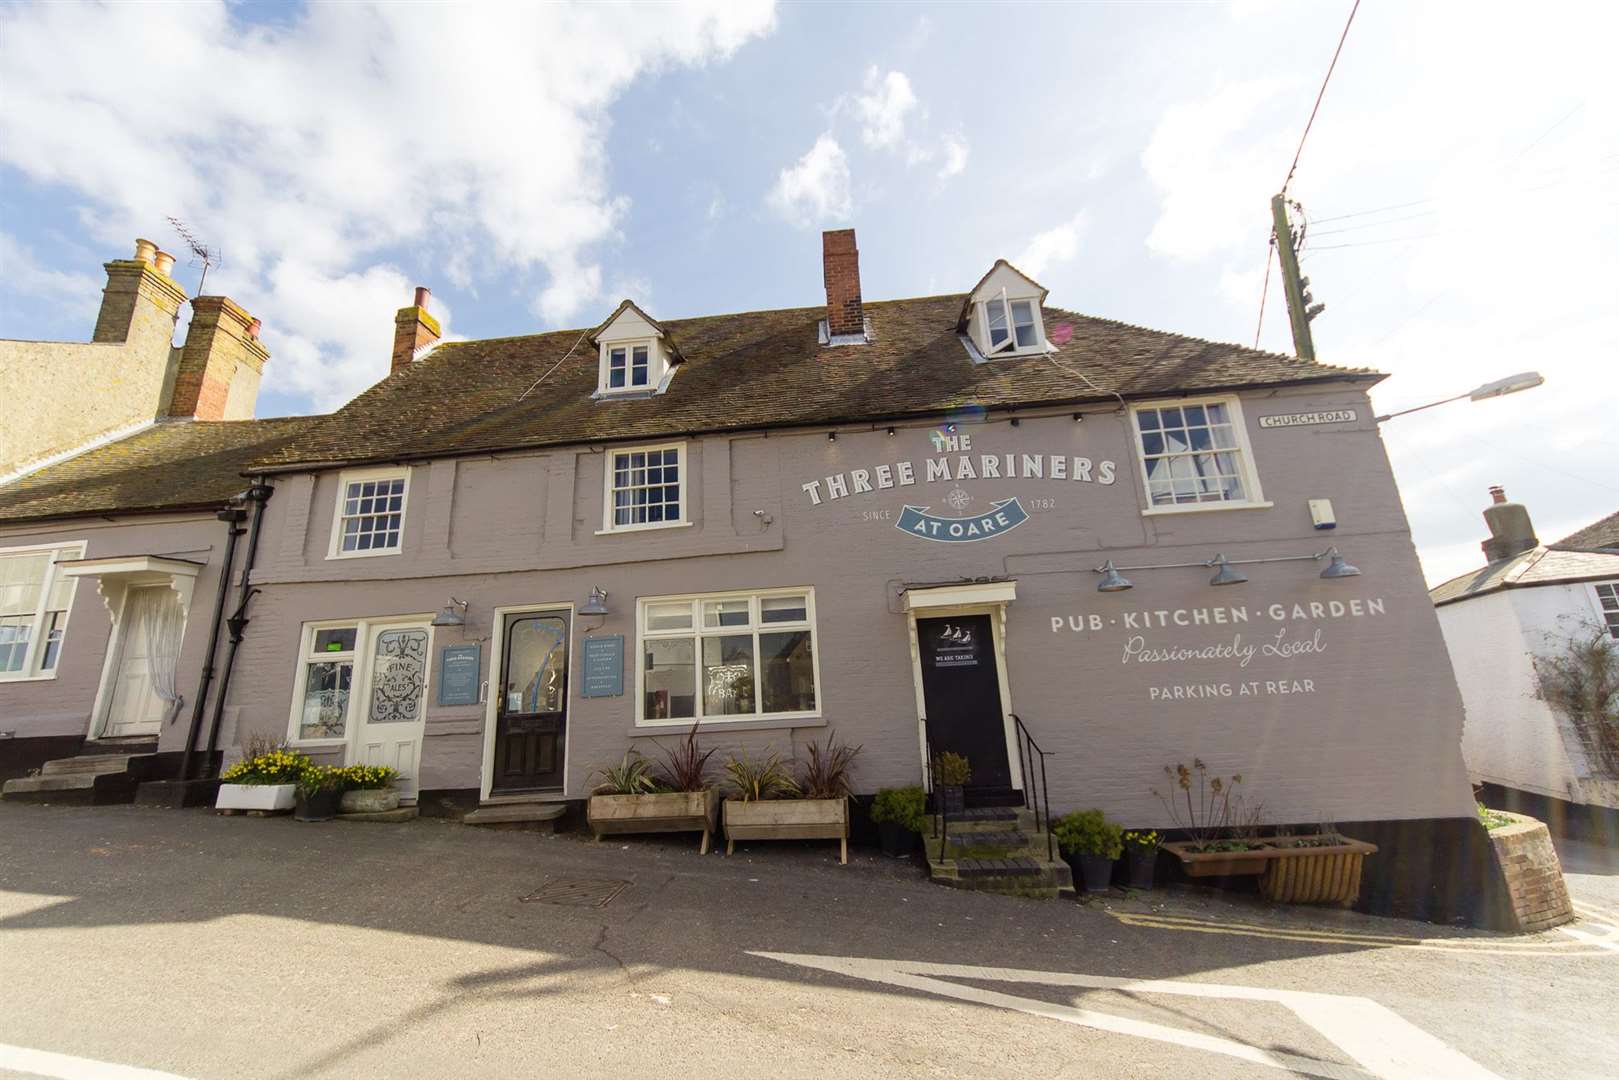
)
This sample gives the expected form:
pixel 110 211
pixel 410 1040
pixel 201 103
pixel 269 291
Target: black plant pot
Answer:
pixel 897 840
pixel 1096 871
pixel 954 798
pixel 318 806
pixel 1141 864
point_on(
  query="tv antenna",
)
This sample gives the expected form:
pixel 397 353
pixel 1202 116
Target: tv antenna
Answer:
pixel 206 257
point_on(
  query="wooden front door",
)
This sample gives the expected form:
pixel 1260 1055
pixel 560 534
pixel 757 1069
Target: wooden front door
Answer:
pixel 393 713
pixel 532 722
pixel 961 689
pixel 135 707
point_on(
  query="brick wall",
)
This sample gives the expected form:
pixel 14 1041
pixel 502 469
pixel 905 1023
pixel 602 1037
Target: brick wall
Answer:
pixel 1533 875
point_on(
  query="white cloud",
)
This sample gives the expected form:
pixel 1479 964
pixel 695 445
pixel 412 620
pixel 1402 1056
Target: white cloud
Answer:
pixel 1055 245
pixel 75 295
pixel 816 189
pixel 887 101
pixel 954 150
pixel 304 150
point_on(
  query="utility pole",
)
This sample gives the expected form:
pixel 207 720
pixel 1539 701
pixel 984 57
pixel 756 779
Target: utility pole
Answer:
pixel 1301 306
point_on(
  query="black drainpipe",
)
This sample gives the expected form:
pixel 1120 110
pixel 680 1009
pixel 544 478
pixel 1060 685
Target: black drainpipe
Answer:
pixel 258 495
pixel 232 516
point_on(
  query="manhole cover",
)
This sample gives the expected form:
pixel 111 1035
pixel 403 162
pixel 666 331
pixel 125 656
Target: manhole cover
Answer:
pixel 578 892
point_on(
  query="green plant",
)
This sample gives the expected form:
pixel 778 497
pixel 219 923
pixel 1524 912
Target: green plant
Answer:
pixel 1089 832
pixel 758 780
pixel 273 766
pixel 1208 813
pixel 1142 840
pixel 1492 819
pixel 685 768
pixel 1581 681
pixel 367 777
pixel 631 776
pixel 951 769
pixel 826 773
pixel 905 806
pixel 318 778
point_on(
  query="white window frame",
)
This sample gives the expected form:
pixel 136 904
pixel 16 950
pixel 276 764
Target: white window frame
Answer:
pixel 697 632
pixel 352 476
pixel 1010 347
pixel 1602 613
pixel 657 365
pixel 682 463
pixel 1255 499
pixel 29 672
pixel 300 681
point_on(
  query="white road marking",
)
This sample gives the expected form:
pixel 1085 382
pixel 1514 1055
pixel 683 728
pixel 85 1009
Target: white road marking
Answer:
pixel 1384 1043
pixel 67 1067
pixel 1589 938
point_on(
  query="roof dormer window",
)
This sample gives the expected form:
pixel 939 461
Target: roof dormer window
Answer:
pixel 637 356
pixel 1001 316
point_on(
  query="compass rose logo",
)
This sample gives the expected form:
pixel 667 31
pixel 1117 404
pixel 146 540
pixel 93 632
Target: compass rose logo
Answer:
pixel 958 500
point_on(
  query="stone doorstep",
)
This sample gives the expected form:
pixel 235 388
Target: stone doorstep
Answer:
pixel 91 764
pixel 533 816
pixel 403 813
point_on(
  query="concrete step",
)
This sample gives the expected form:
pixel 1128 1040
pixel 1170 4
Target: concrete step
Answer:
pixel 526 816
pixel 402 813
pixel 44 783
pixel 89 763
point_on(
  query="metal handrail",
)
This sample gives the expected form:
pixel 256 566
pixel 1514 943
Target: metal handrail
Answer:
pixel 941 819
pixel 1029 748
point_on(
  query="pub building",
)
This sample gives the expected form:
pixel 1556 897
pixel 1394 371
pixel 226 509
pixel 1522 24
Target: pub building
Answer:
pixel 901 523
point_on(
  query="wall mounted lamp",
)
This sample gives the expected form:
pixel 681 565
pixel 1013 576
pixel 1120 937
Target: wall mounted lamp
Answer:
pixel 831 436
pixel 596 603
pixel 1225 571
pixel 449 616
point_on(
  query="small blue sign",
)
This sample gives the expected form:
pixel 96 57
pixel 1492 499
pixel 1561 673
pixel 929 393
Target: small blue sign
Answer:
pixel 604 666
pixel 458 670
pixel 1003 516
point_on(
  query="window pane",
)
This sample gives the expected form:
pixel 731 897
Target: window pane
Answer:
pixel 1148 418
pixel 773 609
pixel 21 578
pixel 645 487
pixel 996 314
pixel 725 612
pixel 536 665
pixel 55 626
pixel 669 616
pixel 326 699
pixel 338 640
pixel 788 663
pixel 398 676
pixel 1023 322
pixel 641 368
pixel 14 633
pixel 728 675
pixel 670 679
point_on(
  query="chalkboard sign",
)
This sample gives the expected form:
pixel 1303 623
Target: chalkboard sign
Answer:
pixel 604 666
pixel 458 670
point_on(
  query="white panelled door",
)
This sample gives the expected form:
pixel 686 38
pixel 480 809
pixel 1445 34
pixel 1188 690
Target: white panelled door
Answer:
pixel 135 708
pixel 393 711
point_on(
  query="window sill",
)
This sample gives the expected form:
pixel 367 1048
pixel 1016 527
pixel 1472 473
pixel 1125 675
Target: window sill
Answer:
pixel 363 554
pixel 644 528
pixel 27 678
pixel 1203 508
pixel 778 723
pixel 317 743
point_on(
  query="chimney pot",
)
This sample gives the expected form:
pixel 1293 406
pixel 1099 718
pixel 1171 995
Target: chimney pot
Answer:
pixel 145 251
pixel 1498 493
pixel 840 266
pixel 163 263
pixel 1511 531
pixel 254 327
pixel 414 330
pixel 423 294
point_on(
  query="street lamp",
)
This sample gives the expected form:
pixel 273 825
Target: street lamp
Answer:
pixel 1526 380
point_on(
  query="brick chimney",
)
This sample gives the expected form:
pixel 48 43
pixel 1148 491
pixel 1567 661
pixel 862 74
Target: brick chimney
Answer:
pixel 220 364
pixel 840 262
pixel 1511 531
pixel 140 299
pixel 414 330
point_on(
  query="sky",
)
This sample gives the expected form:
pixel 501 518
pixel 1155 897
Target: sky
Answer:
pixel 534 165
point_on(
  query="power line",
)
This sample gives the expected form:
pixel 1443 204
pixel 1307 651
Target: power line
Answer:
pixel 1265 288
pixel 1319 95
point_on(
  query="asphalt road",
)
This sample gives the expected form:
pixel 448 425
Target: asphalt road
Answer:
pixel 201 946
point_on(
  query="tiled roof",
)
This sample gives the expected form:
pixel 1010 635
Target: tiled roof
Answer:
pixel 1598 534
pixel 174 465
pixel 760 370
pixel 1537 566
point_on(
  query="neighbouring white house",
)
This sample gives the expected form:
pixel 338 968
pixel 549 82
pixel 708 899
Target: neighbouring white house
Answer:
pixel 1510 626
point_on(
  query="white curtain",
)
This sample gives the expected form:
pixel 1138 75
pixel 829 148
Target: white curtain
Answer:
pixel 159 617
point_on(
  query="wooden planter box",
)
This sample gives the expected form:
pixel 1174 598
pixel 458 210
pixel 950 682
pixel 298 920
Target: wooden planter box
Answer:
pixel 788 819
pixel 1291 872
pixel 670 811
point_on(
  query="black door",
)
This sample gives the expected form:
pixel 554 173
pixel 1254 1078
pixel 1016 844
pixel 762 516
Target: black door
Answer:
pixel 962 693
pixel 531 724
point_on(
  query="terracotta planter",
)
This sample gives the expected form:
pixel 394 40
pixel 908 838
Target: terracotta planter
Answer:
pixel 788 819
pixel 378 801
pixel 1328 874
pixel 1219 863
pixel 670 811
pixel 266 798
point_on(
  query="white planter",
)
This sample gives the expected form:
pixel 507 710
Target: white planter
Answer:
pixel 269 797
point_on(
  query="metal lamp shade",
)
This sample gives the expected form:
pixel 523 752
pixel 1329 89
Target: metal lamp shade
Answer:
pixel 596 604
pixel 1337 568
pixel 1112 580
pixel 449 615
pixel 1226 574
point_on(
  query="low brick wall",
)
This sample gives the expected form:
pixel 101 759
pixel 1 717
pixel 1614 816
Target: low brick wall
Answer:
pixel 1532 873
